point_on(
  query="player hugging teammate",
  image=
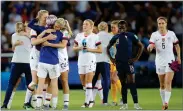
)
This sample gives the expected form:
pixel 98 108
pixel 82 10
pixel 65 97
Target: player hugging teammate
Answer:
pixel 49 61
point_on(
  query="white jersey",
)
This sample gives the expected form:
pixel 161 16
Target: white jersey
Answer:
pixel 164 47
pixel 34 55
pixel 22 52
pixel 91 41
pixel 104 37
pixel 62 52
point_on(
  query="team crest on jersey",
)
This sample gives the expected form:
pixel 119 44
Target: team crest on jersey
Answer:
pixel 117 41
pixel 163 39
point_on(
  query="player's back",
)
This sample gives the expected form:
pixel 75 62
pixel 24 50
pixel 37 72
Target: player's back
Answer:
pixel 48 54
pixel 104 37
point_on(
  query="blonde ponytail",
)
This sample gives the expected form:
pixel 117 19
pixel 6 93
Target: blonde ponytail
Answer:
pixel 68 28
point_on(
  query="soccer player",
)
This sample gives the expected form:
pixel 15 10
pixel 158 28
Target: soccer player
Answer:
pixel 103 66
pixel 20 62
pixel 87 43
pixel 163 41
pixel 124 61
pixel 34 55
pixel 115 82
pixel 63 59
pixel 49 64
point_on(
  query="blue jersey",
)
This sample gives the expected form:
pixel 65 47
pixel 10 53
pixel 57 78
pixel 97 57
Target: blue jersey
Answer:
pixel 49 55
pixel 124 43
pixel 38 30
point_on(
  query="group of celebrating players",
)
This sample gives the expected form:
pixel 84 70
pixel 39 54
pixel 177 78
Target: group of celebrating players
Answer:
pixel 40 51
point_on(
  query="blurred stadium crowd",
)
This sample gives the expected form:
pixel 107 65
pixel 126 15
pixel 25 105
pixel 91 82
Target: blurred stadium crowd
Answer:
pixel 141 17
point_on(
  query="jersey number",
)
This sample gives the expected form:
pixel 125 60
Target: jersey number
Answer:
pixel 163 45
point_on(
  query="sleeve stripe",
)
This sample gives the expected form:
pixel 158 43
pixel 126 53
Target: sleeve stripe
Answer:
pixel 75 42
pixel 176 43
pixel 98 43
pixel 65 38
pixel 151 42
pixel 33 36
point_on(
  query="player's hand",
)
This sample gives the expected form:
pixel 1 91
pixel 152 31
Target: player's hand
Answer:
pixel 46 43
pixel 113 61
pixel 130 61
pixel 49 30
pixel 179 60
pixel 51 37
pixel 18 42
pixel 149 48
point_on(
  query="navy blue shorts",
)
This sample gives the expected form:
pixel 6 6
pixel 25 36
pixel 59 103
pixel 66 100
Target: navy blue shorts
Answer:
pixel 125 68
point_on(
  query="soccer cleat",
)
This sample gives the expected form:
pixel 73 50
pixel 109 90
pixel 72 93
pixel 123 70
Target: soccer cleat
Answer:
pixel 27 106
pixel 165 107
pixel 85 105
pixel 66 107
pixel 38 108
pixel 137 107
pixel 46 107
pixel 106 104
pixel 91 103
pixel 124 107
pixel 121 102
pixel 4 106
pixel 114 104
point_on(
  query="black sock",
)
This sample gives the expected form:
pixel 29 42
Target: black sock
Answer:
pixel 133 91
pixel 124 92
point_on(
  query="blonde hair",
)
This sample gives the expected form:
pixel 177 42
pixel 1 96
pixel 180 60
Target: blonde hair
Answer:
pixel 90 21
pixel 163 18
pixel 19 26
pixel 115 22
pixel 40 13
pixel 102 26
pixel 65 24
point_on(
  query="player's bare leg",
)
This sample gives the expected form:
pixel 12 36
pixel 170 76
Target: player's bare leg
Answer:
pixel 82 78
pixel 65 86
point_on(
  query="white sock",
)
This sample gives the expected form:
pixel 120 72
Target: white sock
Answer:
pixel 167 96
pixel 95 90
pixel 99 82
pixel 54 102
pixel 162 94
pixel 44 91
pixel 100 93
pixel 89 92
pixel 11 99
pixel 34 97
pixel 66 99
pixel 39 100
pixel 47 99
pixel 28 95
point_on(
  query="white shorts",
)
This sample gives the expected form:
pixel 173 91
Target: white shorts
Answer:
pixel 86 69
pixel 34 59
pixel 64 64
pixel 160 70
pixel 45 70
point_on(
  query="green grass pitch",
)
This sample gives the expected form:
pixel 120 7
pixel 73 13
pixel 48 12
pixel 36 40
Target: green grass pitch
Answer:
pixel 149 99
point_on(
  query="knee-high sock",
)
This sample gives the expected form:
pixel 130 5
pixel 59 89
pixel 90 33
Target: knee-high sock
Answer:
pixel 162 94
pixel 124 92
pixel 133 91
pixel 167 96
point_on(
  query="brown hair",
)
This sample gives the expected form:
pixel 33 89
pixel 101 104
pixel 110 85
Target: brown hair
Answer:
pixel 163 18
